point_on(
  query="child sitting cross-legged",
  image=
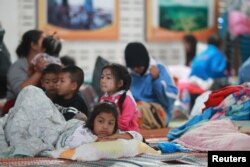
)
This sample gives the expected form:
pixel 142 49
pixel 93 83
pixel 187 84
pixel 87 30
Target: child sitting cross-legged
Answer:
pixel 69 101
pixel 115 83
pixel 102 125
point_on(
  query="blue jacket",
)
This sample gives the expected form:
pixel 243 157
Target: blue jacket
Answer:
pixel 244 70
pixel 162 90
pixel 210 63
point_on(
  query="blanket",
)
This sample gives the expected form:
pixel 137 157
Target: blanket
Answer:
pixel 99 150
pixel 215 135
pixel 32 125
pixel 35 127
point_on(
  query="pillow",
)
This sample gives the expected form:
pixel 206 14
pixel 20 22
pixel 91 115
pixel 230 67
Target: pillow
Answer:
pixel 99 64
pixel 99 150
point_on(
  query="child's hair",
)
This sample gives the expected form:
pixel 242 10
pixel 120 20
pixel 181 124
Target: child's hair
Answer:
pixel 120 73
pixel 215 40
pixel 52 45
pixel 192 41
pixel 106 107
pixel 52 68
pixel 76 74
pixel 68 61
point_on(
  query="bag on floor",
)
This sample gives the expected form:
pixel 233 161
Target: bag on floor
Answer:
pixel 153 116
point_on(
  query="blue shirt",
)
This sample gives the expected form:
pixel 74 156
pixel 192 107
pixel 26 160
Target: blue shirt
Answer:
pixel 210 63
pixel 161 90
pixel 244 70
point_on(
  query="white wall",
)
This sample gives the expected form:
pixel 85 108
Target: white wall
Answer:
pixel 18 16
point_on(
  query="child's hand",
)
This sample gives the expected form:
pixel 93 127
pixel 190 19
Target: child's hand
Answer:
pixel 81 116
pixel 154 71
pixel 115 137
pixel 40 64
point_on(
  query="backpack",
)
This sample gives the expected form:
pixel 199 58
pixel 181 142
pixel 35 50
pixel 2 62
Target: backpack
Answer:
pixel 153 116
pixel 99 64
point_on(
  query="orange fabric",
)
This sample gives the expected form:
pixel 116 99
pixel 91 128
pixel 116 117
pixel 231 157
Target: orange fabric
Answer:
pixel 68 153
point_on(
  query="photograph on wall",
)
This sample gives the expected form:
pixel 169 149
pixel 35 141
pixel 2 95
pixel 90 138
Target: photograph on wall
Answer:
pixel 171 19
pixel 79 19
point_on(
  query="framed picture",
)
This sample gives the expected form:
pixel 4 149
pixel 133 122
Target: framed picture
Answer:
pixel 171 19
pixel 79 19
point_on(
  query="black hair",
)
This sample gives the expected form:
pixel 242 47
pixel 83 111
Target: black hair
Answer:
pixel 136 55
pixel 76 74
pixel 192 41
pixel 29 37
pixel 68 61
pixel 52 45
pixel 106 107
pixel 120 73
pixel 52 68
pixel 215 40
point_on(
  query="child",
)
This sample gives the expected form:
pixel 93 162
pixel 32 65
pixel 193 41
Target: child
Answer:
pixel 49 80
pixel 115 82
pixel 102 125
pixel 51 47
pixel 68 60
pixel 69 101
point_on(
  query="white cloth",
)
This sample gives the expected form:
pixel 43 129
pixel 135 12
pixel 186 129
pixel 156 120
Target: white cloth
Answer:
pixel 84 135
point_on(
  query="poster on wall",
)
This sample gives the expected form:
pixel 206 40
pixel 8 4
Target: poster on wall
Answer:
pixel 171 19
pixel 79 19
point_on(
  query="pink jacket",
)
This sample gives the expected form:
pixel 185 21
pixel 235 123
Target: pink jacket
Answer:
pixel 128 117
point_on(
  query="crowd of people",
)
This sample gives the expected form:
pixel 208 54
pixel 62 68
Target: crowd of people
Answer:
pixel 129 92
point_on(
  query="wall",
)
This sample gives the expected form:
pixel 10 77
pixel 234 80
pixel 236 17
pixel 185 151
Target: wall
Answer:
pixel 18 16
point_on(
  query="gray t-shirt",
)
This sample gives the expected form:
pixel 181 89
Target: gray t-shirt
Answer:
pixel 17 73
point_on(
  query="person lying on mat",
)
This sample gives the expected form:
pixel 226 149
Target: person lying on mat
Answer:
pixel 102 125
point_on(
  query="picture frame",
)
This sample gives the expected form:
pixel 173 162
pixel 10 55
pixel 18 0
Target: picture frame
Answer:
pixel 79 20
pixel 170 20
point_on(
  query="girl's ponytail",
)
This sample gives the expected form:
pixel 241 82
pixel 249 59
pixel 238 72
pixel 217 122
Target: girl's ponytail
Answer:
pixel 121 100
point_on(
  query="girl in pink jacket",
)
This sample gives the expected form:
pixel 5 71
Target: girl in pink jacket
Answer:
pixel 115 83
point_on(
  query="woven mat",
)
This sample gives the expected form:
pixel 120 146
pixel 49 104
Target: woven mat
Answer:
pixel 176 159
pixel 32 161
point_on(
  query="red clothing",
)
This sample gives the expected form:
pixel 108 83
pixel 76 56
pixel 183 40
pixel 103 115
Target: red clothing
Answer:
pixel 128 116
pixel 217 96
pixel 192 88
pixel 8 105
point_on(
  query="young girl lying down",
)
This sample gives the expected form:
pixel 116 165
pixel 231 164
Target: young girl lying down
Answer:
pixel 102 125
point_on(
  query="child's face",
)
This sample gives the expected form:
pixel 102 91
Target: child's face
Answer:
pixel 49 83
pixel 104 124
pixel 65 87
pixel 187 46
pixel 138 70
pixel 107 82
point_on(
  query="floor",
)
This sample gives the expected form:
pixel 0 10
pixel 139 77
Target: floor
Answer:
pixel 162 133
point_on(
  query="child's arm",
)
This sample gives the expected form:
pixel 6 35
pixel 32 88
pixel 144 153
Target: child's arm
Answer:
pixel 80 136
pixel 123 135
pixel 128 114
